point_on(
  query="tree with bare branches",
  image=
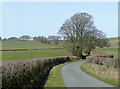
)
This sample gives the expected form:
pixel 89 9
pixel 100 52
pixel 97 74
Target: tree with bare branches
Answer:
pixel 80 34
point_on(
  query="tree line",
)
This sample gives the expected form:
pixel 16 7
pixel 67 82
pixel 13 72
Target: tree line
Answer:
pixel 41 39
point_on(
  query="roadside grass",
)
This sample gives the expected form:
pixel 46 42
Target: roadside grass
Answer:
pixel 25 45
pixel 109 75
pixel 14 55
pixel 55 78
pixel 101 51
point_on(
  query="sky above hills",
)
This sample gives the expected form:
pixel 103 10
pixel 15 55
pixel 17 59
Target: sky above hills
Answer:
pixel 45 18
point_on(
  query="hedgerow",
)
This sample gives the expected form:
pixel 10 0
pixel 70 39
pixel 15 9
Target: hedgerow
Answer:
pixel 102 60
pixel 29 73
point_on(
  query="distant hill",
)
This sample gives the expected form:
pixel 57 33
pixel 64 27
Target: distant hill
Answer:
pixel 114 42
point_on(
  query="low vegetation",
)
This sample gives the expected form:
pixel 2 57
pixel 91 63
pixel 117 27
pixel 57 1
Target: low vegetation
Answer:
pixel 106 62
pixel 103 66
pixel 108 75
pixel 55 78
pixel 29 74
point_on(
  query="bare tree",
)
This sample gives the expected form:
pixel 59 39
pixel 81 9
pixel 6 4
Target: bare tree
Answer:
pixel 80 33
pixel 54 39
pixel 41 39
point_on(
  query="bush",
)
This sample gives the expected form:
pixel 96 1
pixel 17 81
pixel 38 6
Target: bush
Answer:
pixel 106 56
pixel 29 73
pixel 106 62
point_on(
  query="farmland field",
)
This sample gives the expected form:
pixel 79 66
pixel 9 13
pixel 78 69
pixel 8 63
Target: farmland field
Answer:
pixel 113 51
pixel 25 45
pixel 114 42
pixel 13 55
pixel 27 54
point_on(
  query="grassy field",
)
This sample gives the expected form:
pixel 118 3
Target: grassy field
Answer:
pixel 108 75
pixel 27 54
pixel 25 45
pixel 113 51
pixel 13 55
pixel 113 42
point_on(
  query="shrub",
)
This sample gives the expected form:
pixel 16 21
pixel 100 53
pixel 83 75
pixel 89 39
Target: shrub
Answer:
pixel 106 62
pixel 29 73
pixel 106 56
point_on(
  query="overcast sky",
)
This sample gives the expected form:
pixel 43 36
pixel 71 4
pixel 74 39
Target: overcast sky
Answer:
pixel 45 18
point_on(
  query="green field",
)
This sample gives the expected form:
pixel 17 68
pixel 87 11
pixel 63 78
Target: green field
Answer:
pixel 26 54
pixel 113 51
pixel 114 42
pixel 13 55
pixel 25 45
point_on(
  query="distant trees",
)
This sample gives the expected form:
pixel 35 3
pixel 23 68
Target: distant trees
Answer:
pixel 80 34
pixel 25 37
pixel 13 38
pixel 54 39
pixel 41 39
pixel 0 38
pixel 4 39
pixel 49 39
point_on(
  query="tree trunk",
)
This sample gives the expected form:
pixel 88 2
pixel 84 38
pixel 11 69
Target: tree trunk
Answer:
pixel 88 53
pixel 81 56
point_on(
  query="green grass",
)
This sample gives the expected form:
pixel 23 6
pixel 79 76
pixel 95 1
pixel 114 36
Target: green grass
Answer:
pixel 113 42
pixel 113 51
pixel 13 55
pixel 110 81
pixel 55 78
pixel 25 45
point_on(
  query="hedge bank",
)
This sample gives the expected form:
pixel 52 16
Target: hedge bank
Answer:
pixel 102 60
pixel 29 73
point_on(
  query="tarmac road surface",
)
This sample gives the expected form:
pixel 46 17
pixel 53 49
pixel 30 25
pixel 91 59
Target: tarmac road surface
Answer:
pixel 73 76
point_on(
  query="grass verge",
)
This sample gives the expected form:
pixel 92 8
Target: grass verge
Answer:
pixel 55 78
pixel 111 81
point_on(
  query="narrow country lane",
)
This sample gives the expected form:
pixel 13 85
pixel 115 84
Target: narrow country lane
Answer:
pixel 73 76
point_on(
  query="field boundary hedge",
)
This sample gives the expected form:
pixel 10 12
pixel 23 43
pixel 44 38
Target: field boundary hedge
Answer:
pixel 28 49
pixel 106 61
pixel 29 73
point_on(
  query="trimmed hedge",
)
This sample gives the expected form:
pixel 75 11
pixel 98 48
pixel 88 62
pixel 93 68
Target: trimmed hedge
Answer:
pixel 106 56
pixel 29 73
pixel 106 62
